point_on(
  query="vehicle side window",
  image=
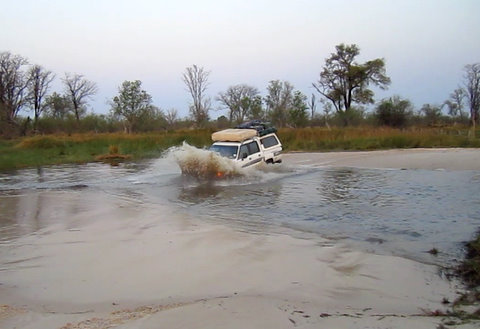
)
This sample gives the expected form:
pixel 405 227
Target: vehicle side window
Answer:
pixel 269 141
pixel 243 150
pixel 253 147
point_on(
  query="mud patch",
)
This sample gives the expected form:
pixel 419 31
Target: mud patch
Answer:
pixel 7 311
pixel 117 318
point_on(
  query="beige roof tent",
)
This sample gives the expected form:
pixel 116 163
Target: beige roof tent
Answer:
pixel 233 135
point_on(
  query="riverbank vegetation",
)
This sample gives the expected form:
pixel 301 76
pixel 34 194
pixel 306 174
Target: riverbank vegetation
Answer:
pixel 51 149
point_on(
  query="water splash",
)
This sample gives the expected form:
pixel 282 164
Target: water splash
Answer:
pixel 203 164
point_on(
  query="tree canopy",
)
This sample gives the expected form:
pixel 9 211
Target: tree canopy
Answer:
pixel 344 81
pixel 78 90
pixel 132 103
pixel 242 102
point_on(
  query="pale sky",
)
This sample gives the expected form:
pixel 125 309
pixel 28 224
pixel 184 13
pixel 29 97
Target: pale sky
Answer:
pixel 425 43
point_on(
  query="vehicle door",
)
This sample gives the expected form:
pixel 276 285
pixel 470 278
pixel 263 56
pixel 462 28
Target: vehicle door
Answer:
pixel 271 147
pixel 250 154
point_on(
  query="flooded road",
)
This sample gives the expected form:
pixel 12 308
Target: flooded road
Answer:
pixel 385 211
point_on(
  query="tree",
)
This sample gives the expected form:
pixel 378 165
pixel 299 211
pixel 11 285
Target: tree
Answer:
pixel 432 113
pixel 455 103
pixel 240 100
pixel 344 82
pixel 132 103
pixel 13 86
pixel 196 80
pixel 38 83
pixel 172 117
pixel 57 106
pixel 472 90
pixel 394 111
pixel 278 100
pixel 256 108
pixel 298 116
pixel 312 105
pixel 78 90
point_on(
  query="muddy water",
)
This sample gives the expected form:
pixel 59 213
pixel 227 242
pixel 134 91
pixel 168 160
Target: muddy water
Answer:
pixel 400 212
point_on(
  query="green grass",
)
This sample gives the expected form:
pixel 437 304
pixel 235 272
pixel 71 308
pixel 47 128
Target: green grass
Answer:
pixel 80 148
pixel 52 149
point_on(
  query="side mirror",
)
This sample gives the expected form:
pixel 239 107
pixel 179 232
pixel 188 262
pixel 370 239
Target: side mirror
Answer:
pixel 244 155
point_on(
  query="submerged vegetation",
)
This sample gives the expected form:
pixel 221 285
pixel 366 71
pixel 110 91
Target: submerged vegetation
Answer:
pixel 80 148
pixel 469 270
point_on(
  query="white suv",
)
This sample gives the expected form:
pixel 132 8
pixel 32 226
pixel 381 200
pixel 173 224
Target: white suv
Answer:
pixel 249 144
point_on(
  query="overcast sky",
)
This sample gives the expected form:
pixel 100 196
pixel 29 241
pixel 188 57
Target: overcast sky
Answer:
pixel 425 43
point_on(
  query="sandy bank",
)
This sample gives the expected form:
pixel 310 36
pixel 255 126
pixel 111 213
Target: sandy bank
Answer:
pixel 431 159
pixel 153 267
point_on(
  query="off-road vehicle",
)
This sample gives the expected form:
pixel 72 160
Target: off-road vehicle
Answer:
pixel 248 144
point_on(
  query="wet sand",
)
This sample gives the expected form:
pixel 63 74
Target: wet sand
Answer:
pixel 172 271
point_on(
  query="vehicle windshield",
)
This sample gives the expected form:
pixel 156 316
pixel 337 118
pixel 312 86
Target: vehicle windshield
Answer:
pixel 228 151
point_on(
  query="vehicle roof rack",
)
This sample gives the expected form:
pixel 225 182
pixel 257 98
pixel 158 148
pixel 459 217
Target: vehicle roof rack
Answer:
pixel 262 128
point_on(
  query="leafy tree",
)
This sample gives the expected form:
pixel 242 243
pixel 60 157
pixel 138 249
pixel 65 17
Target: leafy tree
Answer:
pixel 222 122
pixel 13 86
pixel 57 106
pixel 344 82
pixel 472 90
pixel 298 115
pixel 78 90
pixel 38 83
pixel 132 103
pixel 394 111
pixel 278 100
pixel 196 80
pixel 239 100
pixel 256 108
pixel 432 113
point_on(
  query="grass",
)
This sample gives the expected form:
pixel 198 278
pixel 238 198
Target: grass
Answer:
pixel 81 148
pixel 361 139
pixel 469 270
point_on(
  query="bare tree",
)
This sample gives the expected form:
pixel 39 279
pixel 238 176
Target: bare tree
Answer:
pixel 196 80
pixel 172 117
pixel 13 85
pixel 472 90
pixel 78 90
pixel 38 83
pixel 240 101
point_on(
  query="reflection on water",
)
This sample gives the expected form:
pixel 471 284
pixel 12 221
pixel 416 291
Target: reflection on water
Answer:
pixel 405 212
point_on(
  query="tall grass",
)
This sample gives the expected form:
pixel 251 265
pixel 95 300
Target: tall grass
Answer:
pixel 81 148
pixel 324 139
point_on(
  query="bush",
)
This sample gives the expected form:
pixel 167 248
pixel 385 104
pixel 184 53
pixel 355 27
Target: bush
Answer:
pixel 394 112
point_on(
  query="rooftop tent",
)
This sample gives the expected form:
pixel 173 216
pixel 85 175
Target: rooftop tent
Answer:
pixel 233 135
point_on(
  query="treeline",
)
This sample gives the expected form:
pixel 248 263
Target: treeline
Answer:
pixel 342 96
